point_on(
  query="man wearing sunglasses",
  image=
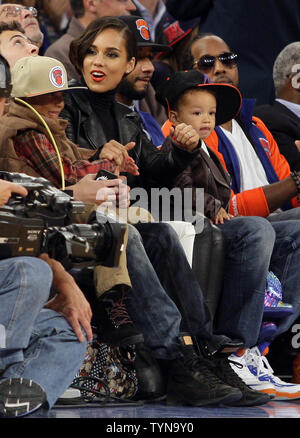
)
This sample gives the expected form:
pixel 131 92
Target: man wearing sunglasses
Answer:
pixel 26 16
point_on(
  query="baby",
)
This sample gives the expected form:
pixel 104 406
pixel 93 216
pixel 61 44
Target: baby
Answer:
pixel 195 107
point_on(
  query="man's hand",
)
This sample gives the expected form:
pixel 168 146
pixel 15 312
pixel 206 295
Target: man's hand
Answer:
pixel 70 300
pixel 184 136
pixel 72 304
pixel 7 188
pixel 115 151
pixel 297 143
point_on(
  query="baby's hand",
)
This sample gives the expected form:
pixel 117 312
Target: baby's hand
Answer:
pixel 221 215
pixel 185 136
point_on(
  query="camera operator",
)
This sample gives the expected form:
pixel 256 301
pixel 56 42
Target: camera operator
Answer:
pixel 39 351
pixel 42 344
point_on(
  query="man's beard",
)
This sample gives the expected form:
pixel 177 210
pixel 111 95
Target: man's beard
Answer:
pixel 127 89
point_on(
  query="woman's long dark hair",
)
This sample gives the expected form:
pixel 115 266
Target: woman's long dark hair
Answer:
pixel 80 46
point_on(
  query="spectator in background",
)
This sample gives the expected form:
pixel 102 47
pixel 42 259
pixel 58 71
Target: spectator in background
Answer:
pixel 53 17
pixel 27 17
pixel 179 35
pixel 257 31
pixel 84 12
pixel 152 11
pixel 282 117
pixel 14 44
pixel 133 87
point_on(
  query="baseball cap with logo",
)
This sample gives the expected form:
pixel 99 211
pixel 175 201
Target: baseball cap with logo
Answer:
pixel 176 30
pixel 140 28
pixel 228 97
pixel 36 75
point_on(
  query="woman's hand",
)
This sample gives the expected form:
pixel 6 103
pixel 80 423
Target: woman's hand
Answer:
pixel 115 151
pixel 185 136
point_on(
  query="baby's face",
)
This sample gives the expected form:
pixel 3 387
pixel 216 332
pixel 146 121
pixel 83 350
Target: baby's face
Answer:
pixel 198 109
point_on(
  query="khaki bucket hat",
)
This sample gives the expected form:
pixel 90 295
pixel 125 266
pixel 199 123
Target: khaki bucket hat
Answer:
pixel 36 75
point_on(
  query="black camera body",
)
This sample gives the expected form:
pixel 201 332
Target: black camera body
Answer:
pixel 42 222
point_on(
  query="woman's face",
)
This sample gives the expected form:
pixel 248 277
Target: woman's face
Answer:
pixel 106 62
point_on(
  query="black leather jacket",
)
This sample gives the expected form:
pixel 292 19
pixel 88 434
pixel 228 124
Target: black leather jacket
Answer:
pixel 156 169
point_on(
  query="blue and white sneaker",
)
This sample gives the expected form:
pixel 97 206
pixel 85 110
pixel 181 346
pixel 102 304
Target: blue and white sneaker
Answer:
pixel 260 367
pixel 238 364
pixel 19 397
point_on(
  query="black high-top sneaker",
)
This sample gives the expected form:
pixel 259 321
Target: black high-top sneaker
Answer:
pixel 192 382
pixel 114 326
pixel 224 371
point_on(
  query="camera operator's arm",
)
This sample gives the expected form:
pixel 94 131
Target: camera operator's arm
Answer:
pixel 7 188
pixel 70 300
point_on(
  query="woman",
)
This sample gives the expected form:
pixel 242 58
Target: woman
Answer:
pixel 103 54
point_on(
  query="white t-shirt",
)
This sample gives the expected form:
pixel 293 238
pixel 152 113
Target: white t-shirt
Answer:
pixel 204 147
pixel 251 170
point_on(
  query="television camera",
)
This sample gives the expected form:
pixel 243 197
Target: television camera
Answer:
pixel 43 222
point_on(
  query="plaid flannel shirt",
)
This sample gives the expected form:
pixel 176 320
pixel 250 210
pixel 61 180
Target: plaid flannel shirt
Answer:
pixel 37 151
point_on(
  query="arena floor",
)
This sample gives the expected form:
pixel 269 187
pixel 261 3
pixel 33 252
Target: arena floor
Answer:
pixel 273 409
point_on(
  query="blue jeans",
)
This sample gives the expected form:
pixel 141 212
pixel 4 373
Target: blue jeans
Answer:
pixel 35 343
pixel 285 261
pixel 166 298
pixel 249 246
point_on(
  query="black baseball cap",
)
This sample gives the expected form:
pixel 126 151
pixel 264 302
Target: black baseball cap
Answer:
pixel 228 97
pixel 140 28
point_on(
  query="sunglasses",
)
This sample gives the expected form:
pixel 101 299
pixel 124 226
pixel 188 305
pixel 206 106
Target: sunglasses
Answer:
pixel 207 62
pixel 15 11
